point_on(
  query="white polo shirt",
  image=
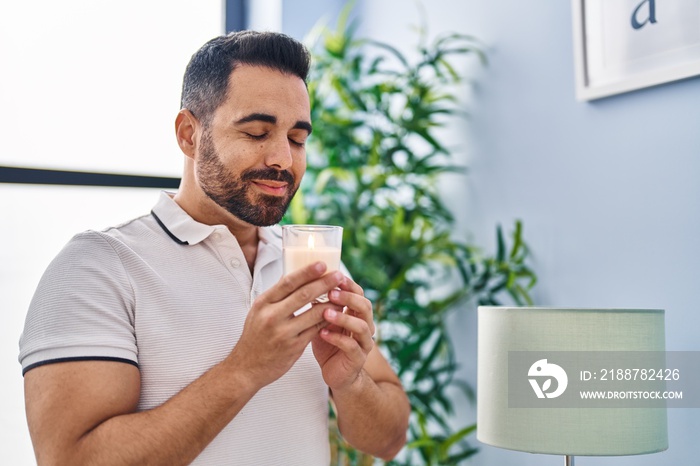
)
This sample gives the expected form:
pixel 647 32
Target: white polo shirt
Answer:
pixel 170 295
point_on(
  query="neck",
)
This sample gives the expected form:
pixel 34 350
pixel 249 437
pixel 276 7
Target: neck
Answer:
pixel 204 210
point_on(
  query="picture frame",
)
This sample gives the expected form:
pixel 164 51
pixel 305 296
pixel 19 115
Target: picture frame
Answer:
pixel 625 45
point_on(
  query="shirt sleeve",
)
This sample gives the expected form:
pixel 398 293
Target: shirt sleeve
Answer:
pixel 83 307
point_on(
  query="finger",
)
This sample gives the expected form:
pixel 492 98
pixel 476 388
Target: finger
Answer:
pixel 301 287
pixel 344 343
pixel 310 333
pixel 358 328
pixel 312 318
pixel 358 304
pixel 351 286
pixel 312 290
pixel 292 281
pixel 313 332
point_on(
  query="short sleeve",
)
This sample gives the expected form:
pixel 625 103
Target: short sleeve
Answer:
pixel 83 307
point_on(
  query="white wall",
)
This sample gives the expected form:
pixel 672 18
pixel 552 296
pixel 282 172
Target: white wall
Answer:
pixel 90 86
pixel 93 85
pixel 607 190
pixel 36 222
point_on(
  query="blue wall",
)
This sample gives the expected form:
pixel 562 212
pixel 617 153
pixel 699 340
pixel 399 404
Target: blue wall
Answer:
pixel 608 191
pixel 300 16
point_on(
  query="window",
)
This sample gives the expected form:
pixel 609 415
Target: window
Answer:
pixel 86 86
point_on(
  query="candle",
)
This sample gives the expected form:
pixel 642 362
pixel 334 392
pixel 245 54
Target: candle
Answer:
pixel 296 258
pixel 316 249
pixel 304 245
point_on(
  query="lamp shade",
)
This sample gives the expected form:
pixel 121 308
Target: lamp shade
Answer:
pixel 572 429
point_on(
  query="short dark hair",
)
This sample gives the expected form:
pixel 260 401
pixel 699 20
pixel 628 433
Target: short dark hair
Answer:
pixel 206 76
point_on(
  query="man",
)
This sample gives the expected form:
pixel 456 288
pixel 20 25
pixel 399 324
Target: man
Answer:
pixel 173 338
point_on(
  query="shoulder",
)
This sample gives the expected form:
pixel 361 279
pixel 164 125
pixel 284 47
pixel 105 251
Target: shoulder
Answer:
pixel 89 263
pixel 82 306
pixel 86 247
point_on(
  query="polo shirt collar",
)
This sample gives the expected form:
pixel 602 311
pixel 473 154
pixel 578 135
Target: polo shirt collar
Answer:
pixel 271 235
pixel 185 230
pixel 177 223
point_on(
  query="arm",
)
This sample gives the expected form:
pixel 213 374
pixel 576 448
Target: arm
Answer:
pixel 85 412
pixel 373 411
pixel 372 406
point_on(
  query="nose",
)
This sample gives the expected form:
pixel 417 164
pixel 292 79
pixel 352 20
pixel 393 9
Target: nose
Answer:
pixel 279 154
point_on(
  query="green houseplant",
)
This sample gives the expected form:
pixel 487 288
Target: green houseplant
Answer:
pixel 374 163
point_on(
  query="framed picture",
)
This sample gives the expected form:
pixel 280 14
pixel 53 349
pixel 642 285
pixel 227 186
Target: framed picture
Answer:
pixel 624 45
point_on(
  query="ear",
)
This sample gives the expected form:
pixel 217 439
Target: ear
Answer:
pixel 185 130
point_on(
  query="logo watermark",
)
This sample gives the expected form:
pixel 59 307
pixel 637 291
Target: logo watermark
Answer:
pixel 547 372
pixel 603 379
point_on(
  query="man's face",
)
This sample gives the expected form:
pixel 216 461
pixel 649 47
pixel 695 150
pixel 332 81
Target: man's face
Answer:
pixel 251 157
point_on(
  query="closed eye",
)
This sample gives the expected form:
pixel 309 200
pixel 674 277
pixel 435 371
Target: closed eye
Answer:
pixel 297 143
pixel 256 137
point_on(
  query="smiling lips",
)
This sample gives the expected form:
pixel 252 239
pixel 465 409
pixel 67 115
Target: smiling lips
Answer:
pixel 276 188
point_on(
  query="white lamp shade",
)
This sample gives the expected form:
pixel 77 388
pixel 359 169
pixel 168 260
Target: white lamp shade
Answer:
pixel 569 430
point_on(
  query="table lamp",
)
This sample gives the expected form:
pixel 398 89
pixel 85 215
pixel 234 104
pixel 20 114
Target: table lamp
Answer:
pixel 525 417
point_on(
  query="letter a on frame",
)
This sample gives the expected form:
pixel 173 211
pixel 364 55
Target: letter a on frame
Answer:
pixel 652 14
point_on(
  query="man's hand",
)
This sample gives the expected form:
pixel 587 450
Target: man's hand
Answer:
pixel 342 347
pixel 370 403
pixel 273 337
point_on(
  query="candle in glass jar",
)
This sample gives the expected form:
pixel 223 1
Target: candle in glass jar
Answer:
pixel 303 245
pixel 315 250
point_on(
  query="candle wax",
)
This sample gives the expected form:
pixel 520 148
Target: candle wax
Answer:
pixel 297 257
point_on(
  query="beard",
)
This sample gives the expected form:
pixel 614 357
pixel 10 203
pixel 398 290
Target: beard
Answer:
pixel 231 192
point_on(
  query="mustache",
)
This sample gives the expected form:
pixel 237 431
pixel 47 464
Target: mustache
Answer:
pixel 268 174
